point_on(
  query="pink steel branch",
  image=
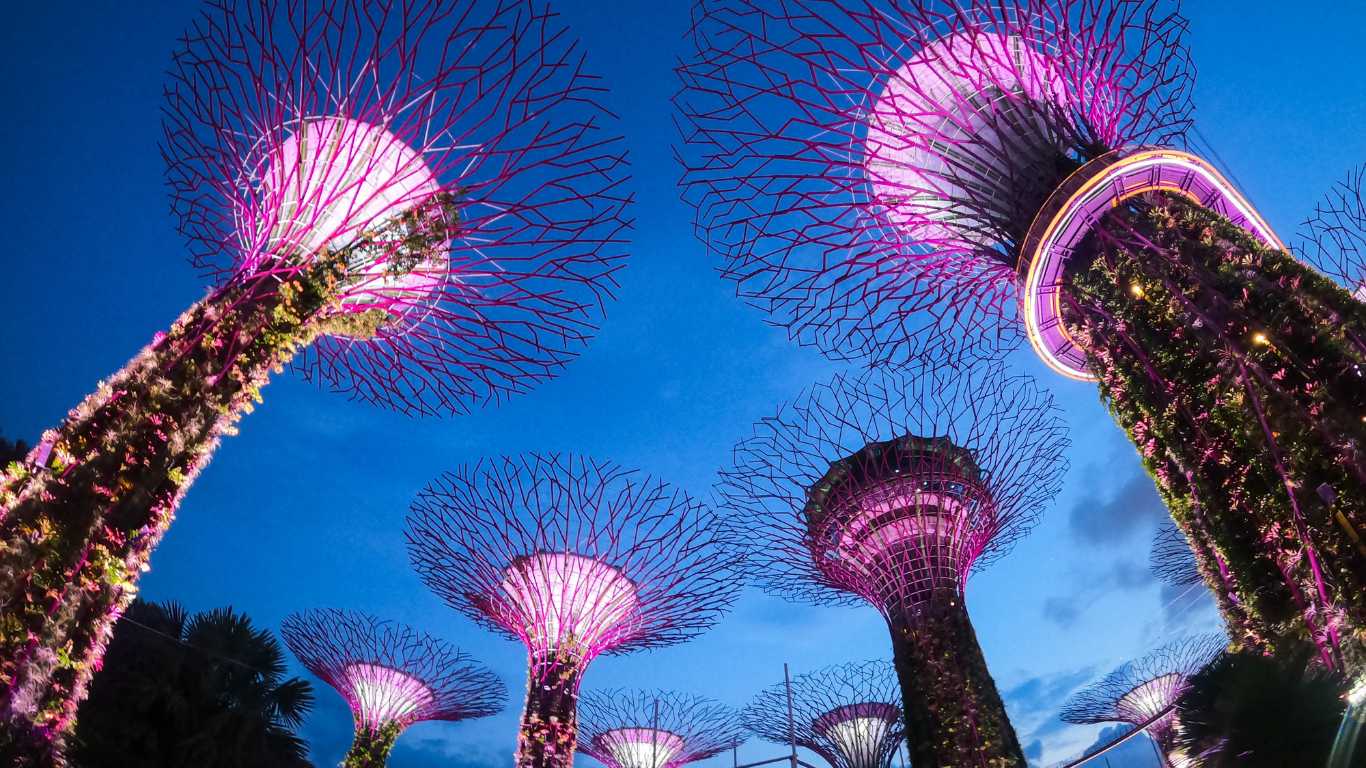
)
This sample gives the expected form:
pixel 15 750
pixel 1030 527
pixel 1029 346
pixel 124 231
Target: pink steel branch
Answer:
pixel 575 558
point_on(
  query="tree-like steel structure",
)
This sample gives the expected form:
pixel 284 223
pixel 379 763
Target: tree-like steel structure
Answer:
pixel 654 729
pixel 391 676
pixel 1171 558
pixel 574 557
pixel 849 714
pixel 892 178
pixel 412 203
pixel 891 489
pixel 1145 691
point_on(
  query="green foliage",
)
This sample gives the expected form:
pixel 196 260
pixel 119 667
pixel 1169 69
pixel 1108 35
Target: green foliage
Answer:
pixel 371 748
pixel 207 690
pixel 1236 372
pixel 954 714
pixel 550 723
pixel 1247 710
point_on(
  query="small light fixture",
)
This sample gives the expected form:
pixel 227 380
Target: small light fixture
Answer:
pixel 1260 338
pixel 1137 290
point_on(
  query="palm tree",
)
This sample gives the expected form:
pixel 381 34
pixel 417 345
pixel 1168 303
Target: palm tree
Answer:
pixel 177 690
pixel 1246 710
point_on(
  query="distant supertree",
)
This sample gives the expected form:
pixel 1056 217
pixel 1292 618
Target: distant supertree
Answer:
pixel 410 203
pixel 573 557
pixel 913 178
pixel 654 729
pixel 391 676
pixel 891 489
pixel 1171 559
pixel 1145 691
pixel 848 714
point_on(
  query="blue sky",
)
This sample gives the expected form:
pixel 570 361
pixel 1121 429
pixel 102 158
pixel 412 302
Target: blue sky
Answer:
pixel 305 508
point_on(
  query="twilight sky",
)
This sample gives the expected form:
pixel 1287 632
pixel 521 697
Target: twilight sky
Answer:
pixel 306 507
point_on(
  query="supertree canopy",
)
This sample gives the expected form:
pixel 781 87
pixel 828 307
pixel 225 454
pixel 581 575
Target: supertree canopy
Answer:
pixel 654 729
pixel 891 489
pixel 573 557
pixel 933 176
pixel 1144 692
pixel 848 714
pixel 413 204
pixel 391 676
pixel 1171 558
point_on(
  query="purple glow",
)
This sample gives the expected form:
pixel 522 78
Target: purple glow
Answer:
pixel 333 179
pixel 382 695
pixel 568 603
pixel 936 152
pixel 849 714
pixel 641 747
pixel 389 673
pixel 654 729
pixel 859 731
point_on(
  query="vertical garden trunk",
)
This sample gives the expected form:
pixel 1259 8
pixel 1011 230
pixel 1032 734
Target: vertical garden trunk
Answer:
pixel 550 722
pixel 1240 376
pixel 954 715
pixel 370 749
pixel 79 521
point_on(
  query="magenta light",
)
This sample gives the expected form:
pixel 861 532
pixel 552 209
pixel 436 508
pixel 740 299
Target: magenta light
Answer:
pixel 654 729
pixel 849 714
pixel 389 673
pixel 568 602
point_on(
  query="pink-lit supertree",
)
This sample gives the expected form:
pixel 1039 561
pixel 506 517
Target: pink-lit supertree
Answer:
pixel 654 729
pixel 575 558
pixel 848 714
pixel 890 489
pixel 929 176
pixel 1143 693
pixel 391 676
pixel 414 204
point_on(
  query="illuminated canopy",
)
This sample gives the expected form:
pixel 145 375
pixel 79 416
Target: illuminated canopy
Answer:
pixel 384 694
pixel 859 731
pixel 641 747
pixel 568 602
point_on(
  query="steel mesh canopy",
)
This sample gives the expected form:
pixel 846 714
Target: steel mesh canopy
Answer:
pixel 1333 239
pixel 452 152
pixel 390 673
pixel 867 170
pixel 849 714
pixel 1171 558
pixel 1141 689
pixel 654 729
pixel 572 555
pixel 841 497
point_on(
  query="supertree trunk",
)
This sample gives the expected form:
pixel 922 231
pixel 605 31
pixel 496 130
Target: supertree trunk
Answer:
pixel 955 717
pixel 550 722
pixel 80 518
pixel 1237 373
pixel 370 749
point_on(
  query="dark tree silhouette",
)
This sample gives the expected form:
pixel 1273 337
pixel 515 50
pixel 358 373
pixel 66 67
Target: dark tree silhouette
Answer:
pixel 1248 710
pixel 207 690
pixel 11 451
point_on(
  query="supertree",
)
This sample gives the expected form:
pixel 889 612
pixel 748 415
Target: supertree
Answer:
pixel 412 203
pixel 848 714
pixel 932 176
pixel 654 729
pixel 391 676
pixel 891 489
pixel 1143 693
pixel 574 557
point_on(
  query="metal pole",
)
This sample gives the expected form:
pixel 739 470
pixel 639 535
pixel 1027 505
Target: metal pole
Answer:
pixel 735 753
pixel 654 737
pixel 791 723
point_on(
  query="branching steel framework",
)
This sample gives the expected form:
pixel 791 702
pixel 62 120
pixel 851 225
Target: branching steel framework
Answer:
pixel 1143 689
pixel 886 178
pixel 890 489
pixel 849 714
pixel 654 729
pixel 417 204
pixel 390 675
pixel 1171 559
pixel 574 557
